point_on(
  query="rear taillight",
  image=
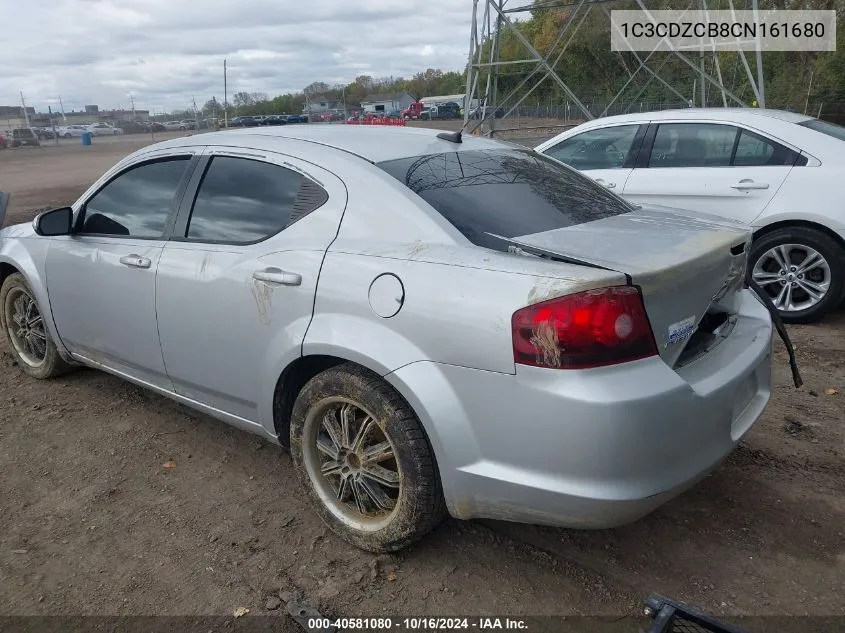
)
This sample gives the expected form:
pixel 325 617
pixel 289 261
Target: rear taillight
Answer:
pixel 588 329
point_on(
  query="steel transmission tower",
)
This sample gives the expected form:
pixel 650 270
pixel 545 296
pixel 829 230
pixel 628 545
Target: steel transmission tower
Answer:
pixel 491 19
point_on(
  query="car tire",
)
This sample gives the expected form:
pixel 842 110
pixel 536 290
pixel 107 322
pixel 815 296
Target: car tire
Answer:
pixel 35 353
pixel 798 244
pixel 381 504
pixel 68 135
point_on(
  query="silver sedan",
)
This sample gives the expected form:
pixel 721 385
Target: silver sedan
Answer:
pixel 431 323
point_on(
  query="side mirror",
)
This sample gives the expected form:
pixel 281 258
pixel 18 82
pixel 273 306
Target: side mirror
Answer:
pixel 55 222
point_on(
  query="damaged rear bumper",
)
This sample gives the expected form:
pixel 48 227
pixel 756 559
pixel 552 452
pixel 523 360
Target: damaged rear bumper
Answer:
pixel 590 448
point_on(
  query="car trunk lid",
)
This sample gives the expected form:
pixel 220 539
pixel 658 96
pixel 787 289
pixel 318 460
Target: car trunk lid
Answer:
pixel 688 269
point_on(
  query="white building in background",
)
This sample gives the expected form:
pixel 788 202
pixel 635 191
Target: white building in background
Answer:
pixel 386 102
pixel 317 105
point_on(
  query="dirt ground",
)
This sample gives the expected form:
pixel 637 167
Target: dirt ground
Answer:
pixel 94 524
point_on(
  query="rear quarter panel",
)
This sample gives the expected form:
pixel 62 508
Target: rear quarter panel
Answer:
pixel 454 310
pixel 810 194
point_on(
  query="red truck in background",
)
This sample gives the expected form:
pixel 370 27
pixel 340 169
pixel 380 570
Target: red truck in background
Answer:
pixel 413 111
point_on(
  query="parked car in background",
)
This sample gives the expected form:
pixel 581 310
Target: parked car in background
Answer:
pixel 44 133
pixel 778 172
pixel 104 129
pixel 612 359
pixel 156 126
pixel 24 136
pixel 172 126
pixel 298 118
pixel 275 119
pixel 187 124
pixel 244 121
pixel 4 140
pixel 134 127
pixel 68 131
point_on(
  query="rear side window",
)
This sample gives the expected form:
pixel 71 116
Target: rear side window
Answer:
pixel 692 145
pixel 243 201
pixel 505 192
pixel 753 150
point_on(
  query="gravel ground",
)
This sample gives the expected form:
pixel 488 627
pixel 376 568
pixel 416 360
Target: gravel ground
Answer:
pixel 94 525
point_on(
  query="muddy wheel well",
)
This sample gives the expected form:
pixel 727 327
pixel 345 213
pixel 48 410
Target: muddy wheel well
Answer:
pixel 5 271
pixel 784 224
pixel 290 383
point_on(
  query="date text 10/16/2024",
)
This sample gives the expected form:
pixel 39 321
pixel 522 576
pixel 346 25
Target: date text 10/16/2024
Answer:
pixel 417 624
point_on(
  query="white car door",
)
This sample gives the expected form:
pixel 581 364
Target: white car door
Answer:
pixel 236 282
pixel 604 154
pixel 711 167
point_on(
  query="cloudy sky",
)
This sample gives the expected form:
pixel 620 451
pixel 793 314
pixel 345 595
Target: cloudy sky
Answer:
pixel 166 51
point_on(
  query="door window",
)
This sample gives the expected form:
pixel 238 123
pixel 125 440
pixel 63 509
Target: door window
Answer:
pixel 606 148
pixel 693 145
pixel 243 201
pixel 137 203
pixel 754 150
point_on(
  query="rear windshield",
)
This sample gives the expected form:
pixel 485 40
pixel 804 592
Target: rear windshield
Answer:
pixel 505 192
pixel 831 129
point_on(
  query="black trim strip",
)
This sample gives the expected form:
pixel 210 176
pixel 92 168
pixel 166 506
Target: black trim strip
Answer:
pixel 636 144
pixel 781 328
pixel 648 142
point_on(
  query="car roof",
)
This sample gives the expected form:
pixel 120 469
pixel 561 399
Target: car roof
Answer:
pixel 372 143
pixel 747 115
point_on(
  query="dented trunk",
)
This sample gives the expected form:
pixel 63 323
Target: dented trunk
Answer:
pixel 689 269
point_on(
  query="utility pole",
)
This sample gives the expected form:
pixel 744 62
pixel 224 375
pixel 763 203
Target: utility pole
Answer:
pixel 761 82
pixel 53 125
pixel 62 106
pixel 809 89
pixel 132 101
pixel 225 98
pixel 196 112
pixel 25 115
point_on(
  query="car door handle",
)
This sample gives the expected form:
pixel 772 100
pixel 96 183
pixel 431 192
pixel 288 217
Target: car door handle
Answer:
pixel 746 184
pixel 136 261
pixel 609 185
pixel 277 276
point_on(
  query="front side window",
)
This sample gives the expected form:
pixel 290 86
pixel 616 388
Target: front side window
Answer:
pixel 241 201
pixel 606 148
pixel 692 145
pixel 138 202
pixel 504 192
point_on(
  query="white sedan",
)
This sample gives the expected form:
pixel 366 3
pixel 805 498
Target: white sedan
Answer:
pixel 70 131
pixel 779 172
pixel 104 129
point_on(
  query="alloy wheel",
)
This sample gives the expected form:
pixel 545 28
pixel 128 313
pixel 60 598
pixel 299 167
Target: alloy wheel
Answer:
pixel 795 276
pixel 352 464
pixel 26 327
